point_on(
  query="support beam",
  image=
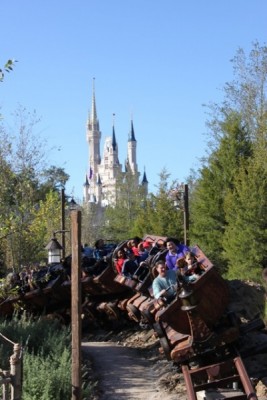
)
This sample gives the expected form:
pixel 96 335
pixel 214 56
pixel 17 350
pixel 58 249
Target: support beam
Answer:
pixel 76 304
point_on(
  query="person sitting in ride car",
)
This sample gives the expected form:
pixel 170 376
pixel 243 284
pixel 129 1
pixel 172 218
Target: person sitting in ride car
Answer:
pixel 165 284
pixel 119 260
pixel 188 267
pixel 130 265
pixel 176 250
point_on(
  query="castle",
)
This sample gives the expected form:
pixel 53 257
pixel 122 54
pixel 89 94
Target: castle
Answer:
pixel 103 173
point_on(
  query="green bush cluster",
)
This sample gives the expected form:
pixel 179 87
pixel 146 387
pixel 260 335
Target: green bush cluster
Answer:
pixel 46 356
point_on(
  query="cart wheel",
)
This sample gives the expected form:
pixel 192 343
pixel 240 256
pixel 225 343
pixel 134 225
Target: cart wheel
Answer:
pixel 166 347
pixel 133 312
pixel 148 316
pixel 112 311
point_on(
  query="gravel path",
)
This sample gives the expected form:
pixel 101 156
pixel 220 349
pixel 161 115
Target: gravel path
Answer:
pixel 123 373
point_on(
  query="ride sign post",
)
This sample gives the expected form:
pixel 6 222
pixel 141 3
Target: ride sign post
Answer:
pixel 76 304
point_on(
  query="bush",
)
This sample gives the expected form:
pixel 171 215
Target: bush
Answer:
pixel 46 356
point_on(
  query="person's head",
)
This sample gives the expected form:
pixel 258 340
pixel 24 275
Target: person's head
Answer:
pixel 129 245
pixel 189 258
pixel 136 240
pixel 181 262
pixel 171 246
pixel 141 247
pixel 147 245
pixel 121 253
pixel 161 268
pixel 99 244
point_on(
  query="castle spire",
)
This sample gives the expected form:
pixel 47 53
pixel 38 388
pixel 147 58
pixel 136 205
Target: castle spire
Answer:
pixel 131 151
pixel 144 180
pixel 144 183
pixel 93 115
pixel 131 133
pixel 93 136
pixel 114 142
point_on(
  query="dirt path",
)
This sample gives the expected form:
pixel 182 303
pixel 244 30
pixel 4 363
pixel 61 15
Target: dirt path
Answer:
pixel 123 373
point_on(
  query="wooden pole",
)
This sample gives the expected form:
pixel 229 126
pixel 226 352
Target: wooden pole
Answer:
pixel 16 372
pixel 76 304
pixel 63 242
pixel 186 214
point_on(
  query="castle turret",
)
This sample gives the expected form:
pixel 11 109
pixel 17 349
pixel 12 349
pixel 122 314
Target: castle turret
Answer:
pixel 93 136
pixel 131 153
pixel 144 183
pixel 86 189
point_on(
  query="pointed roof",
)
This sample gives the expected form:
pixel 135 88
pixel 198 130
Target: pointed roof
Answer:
pixel 114 143
pixel 93 115
pixel 144 180
pixel 98 180
pixel 131 133
pixel 126 165
pixel 86 183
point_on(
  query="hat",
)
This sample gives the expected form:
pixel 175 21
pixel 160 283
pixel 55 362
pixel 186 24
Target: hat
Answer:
pixel 146 245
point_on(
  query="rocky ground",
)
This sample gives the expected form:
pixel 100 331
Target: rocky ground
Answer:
pixel 247 301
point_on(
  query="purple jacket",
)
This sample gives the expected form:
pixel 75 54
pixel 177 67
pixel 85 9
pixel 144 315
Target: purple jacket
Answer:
pixel 171 258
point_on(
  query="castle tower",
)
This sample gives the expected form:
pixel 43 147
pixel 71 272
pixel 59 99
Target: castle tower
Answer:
pixel 131 153
pixel 144 183
pixel 93 136
pixel 100 184
pixel 86 190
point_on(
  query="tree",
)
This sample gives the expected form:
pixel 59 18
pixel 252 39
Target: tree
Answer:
pixel 22 164
pixel 54 177
pixel 46 219
pixel 246 95
pixel 246 232
pixel 216 180
pixel 212 201
pixel 158 214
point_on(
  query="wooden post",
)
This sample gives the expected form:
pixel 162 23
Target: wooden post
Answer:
pixel 186 214
pixel 63 242
pixel 76 304
pixel 16 372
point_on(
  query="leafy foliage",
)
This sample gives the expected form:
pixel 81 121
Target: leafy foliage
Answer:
pixel 8 67
pixel 46 357
pixel 228 210
pixel 136 214
pixel 246 233
pixel 25 186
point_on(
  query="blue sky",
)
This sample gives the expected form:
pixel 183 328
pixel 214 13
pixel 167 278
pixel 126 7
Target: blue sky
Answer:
pixel 155 61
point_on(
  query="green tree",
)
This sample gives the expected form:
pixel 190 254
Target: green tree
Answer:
pixel 246 232
pixel 22 164
pixel 53 178
pixel 216 180
pixel 158 214
pixel 46 219
pixel 245 97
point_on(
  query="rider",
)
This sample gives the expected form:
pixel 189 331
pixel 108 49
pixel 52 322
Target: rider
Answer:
pixel 165 284
pixel 176 250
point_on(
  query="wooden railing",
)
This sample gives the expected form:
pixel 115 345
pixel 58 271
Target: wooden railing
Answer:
pixel 11 380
